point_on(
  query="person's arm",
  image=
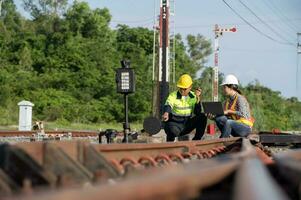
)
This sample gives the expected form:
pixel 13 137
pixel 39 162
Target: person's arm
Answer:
pixel 197 108
pixel 167 109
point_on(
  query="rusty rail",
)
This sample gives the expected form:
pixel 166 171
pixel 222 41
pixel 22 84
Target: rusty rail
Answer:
pixel 174 182
pixel 242 169
pixel 63 164
pixel 50 133
pixel 236 170
pixel 206 148
pixel 121 156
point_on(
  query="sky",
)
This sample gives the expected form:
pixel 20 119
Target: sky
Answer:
pixel 264 48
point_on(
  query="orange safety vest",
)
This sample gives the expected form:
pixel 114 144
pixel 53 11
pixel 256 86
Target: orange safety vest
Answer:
pixel 249 122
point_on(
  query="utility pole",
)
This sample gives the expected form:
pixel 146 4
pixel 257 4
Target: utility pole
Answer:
pixel 163 54
pixel 1 1
pixel 218 33
pixel 155 85
pixel 172 35
pixel 298 71
pixel 55 6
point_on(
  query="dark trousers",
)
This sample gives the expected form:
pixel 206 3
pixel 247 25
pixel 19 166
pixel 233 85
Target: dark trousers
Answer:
pixel 177 129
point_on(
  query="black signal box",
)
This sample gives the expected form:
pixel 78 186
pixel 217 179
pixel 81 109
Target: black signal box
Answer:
pixel 125 78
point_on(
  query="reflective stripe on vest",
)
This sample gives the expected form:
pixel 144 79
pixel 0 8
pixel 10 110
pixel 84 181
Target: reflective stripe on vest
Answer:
pixel 181 107
pixel 245 121
pixel 233 106
pixel 249 122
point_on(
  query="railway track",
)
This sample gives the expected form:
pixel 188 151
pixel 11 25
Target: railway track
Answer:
pixel 49 133
pixel 232 168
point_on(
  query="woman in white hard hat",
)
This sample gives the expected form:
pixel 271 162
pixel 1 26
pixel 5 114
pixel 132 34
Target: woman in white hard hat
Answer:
pixel 182 111
pixel 237 120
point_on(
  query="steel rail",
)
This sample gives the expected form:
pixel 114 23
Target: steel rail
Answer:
pixel 118 151
pixel 184 181
pixel 173 182
pixel 292 154
pixel 120 156
pixel 253 181
pixel 288 171
pixel 52 133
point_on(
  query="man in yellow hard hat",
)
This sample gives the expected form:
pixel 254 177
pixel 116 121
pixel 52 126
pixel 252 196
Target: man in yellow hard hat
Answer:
pixel 182 111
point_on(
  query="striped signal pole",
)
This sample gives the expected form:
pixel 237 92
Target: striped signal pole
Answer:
pixel 163 54
pixel 298 63
pixel 1 1
pixel 218 33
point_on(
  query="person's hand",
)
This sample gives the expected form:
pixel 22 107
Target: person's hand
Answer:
pixel 229 112
pixel 210 116
pixel 165 116
pixel 198 93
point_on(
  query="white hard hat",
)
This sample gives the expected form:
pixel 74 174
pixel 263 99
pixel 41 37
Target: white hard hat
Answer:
pixel 230 80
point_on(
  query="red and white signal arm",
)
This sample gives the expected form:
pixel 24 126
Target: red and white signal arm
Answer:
pixel 233 29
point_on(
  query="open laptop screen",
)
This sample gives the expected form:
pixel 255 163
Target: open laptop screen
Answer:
pixel 215 108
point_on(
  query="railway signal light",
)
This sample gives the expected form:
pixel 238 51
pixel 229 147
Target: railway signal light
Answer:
pixel 218 33
pixel 125 78
pixel 233 29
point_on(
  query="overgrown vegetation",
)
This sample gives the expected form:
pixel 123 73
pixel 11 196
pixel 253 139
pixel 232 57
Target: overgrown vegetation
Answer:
pixel 63 59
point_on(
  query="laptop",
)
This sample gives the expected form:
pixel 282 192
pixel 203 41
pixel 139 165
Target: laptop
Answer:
pixel 215 108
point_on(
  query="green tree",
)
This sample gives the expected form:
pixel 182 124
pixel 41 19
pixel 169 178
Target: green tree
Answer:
pixel 45 7
pixel 63 59
pixel 135 44
pixel 199 48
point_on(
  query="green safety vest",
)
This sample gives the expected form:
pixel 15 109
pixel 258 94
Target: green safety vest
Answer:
pixel 183 106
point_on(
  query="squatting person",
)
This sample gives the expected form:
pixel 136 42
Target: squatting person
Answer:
pixel 237 120
pixel 182 111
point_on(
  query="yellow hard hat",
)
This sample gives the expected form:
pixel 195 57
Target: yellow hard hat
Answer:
pixel 185 81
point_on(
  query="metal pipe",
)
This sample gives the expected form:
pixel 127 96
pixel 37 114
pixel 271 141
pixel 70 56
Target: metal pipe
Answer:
pixel 126 126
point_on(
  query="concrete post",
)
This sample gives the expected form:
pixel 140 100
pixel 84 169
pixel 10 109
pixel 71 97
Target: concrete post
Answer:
pixel 25 115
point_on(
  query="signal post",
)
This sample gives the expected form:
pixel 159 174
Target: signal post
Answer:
pixel 218 33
